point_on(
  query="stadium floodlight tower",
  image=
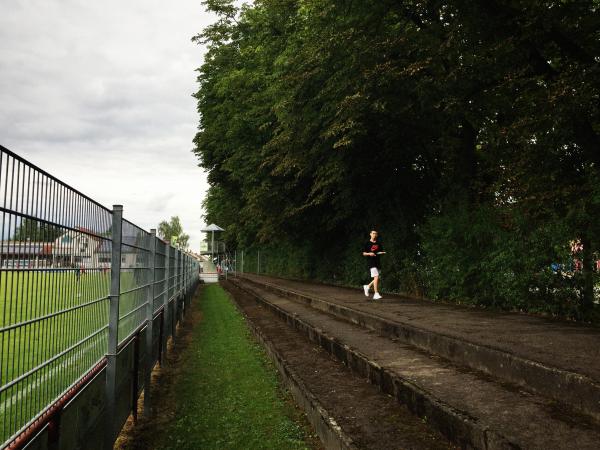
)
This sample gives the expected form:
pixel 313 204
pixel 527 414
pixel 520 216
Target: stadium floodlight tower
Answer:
pixel 212 228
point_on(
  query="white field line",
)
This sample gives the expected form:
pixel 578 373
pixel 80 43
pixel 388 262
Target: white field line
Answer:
pixel 26 390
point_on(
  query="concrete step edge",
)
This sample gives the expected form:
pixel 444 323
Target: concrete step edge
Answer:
pixel 577 391
pixel 330 433
pixel 458 426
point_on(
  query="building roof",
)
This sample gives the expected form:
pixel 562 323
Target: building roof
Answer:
pixel 25 248
pixel 212 227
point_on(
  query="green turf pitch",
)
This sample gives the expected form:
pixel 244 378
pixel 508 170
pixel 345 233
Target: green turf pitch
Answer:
pixel 46 313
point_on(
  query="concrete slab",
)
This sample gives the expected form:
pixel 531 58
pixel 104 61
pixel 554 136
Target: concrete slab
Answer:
pixel 471 409
pixel 560 360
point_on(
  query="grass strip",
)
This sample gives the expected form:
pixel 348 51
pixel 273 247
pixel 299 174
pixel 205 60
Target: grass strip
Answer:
pixel 227 394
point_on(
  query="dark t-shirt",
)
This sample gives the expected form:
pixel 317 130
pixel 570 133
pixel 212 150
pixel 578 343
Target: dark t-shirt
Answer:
pixel 373 247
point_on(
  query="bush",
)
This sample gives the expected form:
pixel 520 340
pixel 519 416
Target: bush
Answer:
pixel 477 257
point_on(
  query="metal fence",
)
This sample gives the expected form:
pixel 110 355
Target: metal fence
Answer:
pixel 87 303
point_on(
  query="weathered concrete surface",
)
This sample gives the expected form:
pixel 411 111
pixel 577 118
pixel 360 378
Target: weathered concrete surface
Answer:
pixel 331 435
pixel 560 360
pixel 346 412
pixel 471 409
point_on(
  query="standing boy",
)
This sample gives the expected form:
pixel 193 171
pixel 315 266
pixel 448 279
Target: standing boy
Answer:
pixel 371 250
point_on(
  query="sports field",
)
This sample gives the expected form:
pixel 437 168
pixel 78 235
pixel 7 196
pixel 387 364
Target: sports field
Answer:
pixel 53 329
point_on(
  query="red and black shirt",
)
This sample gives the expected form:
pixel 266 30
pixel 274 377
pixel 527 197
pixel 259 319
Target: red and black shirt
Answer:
pixel 373 247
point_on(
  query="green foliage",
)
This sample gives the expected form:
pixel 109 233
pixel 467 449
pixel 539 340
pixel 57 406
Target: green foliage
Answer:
pixel 466 131
pixel 35 231
pixel 173 231
pixel 475 257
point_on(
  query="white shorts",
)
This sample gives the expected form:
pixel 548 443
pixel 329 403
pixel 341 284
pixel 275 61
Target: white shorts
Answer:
pixel 374 272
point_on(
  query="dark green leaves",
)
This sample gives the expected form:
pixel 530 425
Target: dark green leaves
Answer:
pixel 321 119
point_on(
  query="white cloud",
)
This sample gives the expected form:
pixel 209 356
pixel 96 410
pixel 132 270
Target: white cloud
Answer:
pixel 99 95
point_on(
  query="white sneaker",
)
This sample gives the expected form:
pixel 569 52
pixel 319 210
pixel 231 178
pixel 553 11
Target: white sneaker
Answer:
pixel 366 288
pixel 376 296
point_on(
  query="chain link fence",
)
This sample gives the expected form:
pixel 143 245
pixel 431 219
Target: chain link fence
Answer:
pixel 87 298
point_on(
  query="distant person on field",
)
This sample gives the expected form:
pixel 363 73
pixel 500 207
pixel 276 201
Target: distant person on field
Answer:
pixel 372 250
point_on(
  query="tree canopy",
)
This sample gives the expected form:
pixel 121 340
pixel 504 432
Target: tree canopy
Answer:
pixel 36 231
pixel 467 132
pixel 172 231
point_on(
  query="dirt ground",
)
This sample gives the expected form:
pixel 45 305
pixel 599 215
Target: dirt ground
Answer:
pixel 371 419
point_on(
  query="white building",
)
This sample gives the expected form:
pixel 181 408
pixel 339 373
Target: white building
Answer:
pixel 77 248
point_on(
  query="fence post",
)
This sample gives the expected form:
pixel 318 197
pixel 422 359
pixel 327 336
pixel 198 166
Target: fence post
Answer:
pixel 113 327
pixel 189 280
pixel 180 286
pixel 242 262
pixel 175 295
pixel 258 262
pixel 180 278
pixel 165 314
pixel 190 268
pixel 183 283
pixel 150 324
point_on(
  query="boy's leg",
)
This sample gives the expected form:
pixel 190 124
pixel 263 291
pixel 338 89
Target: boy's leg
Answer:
pixel 366 288
pixel 375 282
pixel 376 276
pixel 371 283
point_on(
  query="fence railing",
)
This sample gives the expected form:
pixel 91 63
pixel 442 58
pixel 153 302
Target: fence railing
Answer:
pixel 87 303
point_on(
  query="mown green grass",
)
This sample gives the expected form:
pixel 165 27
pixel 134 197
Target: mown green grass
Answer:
pixel 30 295
pixel 228 396
pixel 26 296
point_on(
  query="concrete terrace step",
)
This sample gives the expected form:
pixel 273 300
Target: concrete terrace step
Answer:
pixel 558 360
pixel 474 411
pixel 346 413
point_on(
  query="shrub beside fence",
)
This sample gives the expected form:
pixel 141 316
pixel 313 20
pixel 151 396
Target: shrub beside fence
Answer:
pixel 88 301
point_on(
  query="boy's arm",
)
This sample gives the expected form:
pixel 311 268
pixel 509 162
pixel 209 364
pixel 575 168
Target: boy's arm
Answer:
pixel 366 253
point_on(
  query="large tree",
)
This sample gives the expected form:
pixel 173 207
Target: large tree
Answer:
pixel 467 131
pixel 173 231
pixel 34 230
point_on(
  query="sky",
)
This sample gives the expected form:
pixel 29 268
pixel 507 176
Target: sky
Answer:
pixel 99 94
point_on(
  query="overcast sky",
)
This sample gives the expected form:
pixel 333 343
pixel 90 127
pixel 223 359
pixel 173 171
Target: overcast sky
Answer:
pixel 99 95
